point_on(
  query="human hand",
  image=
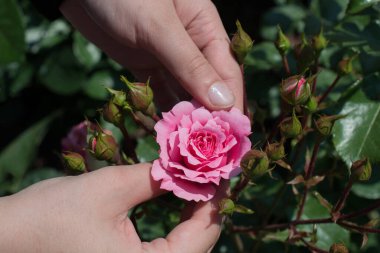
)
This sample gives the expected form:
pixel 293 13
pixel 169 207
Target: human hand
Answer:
pixel 178 43
pixel 88 213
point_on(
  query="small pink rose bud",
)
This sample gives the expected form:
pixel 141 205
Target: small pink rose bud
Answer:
pixel 113 114
pixel 241 43
pixel 140 95
pixel 291 127
pixel 151 110
pixel 282 43
pixel 74 162
pixel 324 124
pixel 295 90
pixel 338 248
pixel 361 170
pixel 255 163
pixel 275 151
pixel 103 146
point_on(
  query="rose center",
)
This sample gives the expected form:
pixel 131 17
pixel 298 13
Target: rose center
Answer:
pixel 204 142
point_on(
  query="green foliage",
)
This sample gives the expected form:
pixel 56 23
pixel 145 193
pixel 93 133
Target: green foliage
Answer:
pixel 47 67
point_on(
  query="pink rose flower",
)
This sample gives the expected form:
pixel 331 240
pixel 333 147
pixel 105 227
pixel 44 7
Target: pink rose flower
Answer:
pixel 198 148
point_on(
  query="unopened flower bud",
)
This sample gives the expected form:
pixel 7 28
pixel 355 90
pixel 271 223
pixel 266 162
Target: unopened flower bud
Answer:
pixel 361 170
pixel 291 127
pixel 74 162
pixel 338 248
pixel 241 43
pixel 103 146
pixel 295 90
pixel 275 151
pixel 119 97
pixel 254 164
pixel 140 95
pixel 113 114
pixel 226 206
pixel 282 43
pixel 325 124
pixel 319 42
pixel 312 104
pixel 151 110
pixel 345 66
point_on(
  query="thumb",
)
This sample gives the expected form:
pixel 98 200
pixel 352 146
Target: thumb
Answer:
pixel 180 55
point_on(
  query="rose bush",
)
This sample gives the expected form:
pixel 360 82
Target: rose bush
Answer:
pixel 198 148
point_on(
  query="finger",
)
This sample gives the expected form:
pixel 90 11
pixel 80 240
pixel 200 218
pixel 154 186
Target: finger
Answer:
pixel 208 33
pixel 124 186
pixel 204 225
pixel 181 56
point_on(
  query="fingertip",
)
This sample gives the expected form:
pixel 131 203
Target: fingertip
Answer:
pixel 220 95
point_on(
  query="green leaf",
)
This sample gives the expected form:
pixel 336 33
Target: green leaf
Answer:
pixel 22 79
pixel 329 10
pixel 264 56
pixel 357 135
pixel 356 6
pixel 12 41
pixel 96 86
pixel 61 73
pixel 20 153
pixel 147 149
pixel 368 191
pixel 327 234
pixel 86 52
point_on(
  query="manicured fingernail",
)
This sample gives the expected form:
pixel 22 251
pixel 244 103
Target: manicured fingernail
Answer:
pixel 220 95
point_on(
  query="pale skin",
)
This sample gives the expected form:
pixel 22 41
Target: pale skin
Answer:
pixel 184 48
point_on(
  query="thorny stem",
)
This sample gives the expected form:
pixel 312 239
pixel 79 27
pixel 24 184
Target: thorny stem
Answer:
pixel 128 147
pixel 308 174
pixel 342 200
pixel 361 212
pixel 315 70
pixel 361 229
pixel 286 64
pixel 329 89
pixel 243 182
pixel 312 247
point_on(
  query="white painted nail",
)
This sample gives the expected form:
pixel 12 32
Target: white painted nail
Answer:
pixel 220 95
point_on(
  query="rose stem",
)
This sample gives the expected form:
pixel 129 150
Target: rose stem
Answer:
pixel 312 247
pixel 329 89
pixel 128 144
pixel 308 174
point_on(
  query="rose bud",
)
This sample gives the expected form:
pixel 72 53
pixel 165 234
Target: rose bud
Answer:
pixel 119 97
pixel 74 162
pixel 361 170
pixel 345 66
pixel 338 248
pixel 312 104
pixel 304 54
pixel 103 146
pixel 226 206
pixel 319 42
pixel 254 164
pixel 241 43
pixel 275 151
pixel 295 90
pixel 151 110
pixel 140 95
pixel 291 127
pixel 113 114
pixel 325 124
pixel 282 43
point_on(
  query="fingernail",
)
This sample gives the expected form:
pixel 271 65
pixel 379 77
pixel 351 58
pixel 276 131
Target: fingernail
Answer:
pixel 220 95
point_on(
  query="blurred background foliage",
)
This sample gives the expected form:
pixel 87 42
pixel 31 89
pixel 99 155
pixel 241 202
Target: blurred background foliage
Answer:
pixel 51 78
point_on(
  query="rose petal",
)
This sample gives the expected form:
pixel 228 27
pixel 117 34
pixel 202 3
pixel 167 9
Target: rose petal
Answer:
pixel 201 115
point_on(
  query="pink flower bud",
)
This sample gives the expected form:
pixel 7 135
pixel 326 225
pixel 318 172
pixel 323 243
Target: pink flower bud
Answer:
pixel 241 43
pixel 140 95
pixel 291 127
pixel 255 163
pixel 295 90
pixel 113 114
pixel 103 146
pixel 74 162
